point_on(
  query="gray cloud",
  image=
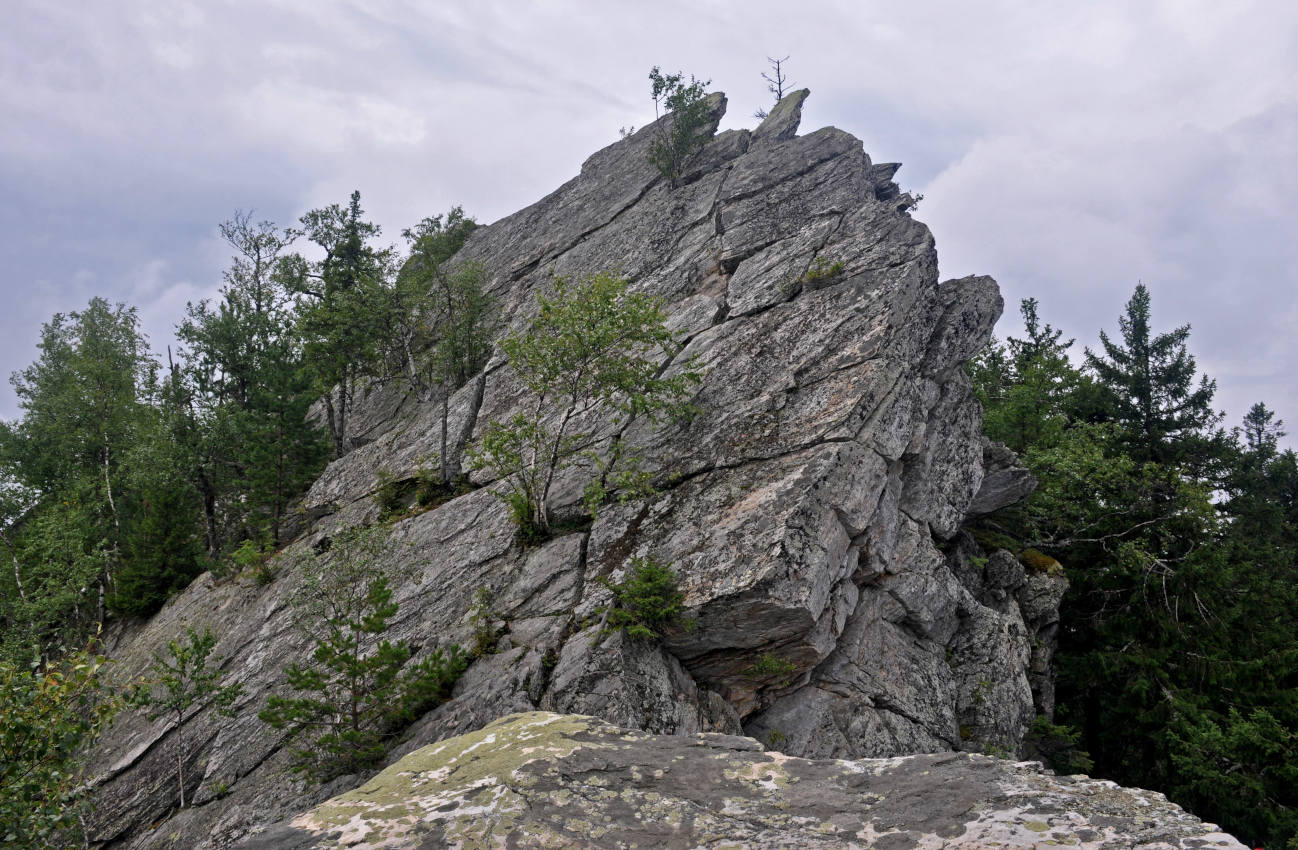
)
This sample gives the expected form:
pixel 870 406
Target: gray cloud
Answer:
pixel 1067 149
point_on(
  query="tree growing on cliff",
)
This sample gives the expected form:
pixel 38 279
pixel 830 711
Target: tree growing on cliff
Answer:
pixel 185 681
pixel 358 689
pixel 342 308
pixel 593 350
pixel 676 141
pixel 774 84
pixel 442 320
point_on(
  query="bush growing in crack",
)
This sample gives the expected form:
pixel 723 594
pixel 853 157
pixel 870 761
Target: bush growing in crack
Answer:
pixel 676 142
pixel 647 602
pixel 773 667
pixel 821 269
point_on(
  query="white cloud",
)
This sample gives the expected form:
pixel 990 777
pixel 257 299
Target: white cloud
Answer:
pixel 1067 149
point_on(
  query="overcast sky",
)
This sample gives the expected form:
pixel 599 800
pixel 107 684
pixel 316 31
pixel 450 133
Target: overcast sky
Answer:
pixel 1068 149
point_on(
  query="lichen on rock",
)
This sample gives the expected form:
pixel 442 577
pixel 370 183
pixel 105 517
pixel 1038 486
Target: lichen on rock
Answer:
pixel 546 780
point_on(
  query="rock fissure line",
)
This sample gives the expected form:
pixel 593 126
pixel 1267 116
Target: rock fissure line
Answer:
pixel 785 179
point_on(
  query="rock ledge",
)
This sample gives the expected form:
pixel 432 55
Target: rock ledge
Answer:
pixel 550 780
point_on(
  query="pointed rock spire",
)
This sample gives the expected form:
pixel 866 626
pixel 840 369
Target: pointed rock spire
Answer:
pixel 783 120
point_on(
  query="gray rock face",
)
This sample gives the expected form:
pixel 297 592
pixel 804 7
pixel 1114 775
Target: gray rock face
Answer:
pixel 1005 481
pixel 807 510
pixel 547 780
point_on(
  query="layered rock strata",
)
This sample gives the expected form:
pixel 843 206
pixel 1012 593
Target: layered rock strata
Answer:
pixel 810 509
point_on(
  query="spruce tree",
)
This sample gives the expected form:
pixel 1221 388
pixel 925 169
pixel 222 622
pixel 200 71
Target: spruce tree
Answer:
pixel 1150 379
pixel 342 307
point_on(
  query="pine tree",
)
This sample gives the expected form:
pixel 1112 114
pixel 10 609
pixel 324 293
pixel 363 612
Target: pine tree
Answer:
pixel 343 306
pixel 1150 379
pixel 184 682
pixel 359 688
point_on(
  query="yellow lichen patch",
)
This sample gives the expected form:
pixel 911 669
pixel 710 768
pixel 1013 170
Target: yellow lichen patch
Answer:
pixel 1036 826
pixel 464 783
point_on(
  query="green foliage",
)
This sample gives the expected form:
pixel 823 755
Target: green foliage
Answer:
pixel 81 399
pixel 675 142
pixel 821 269
pixel 359 689
pixel 183 683
pixel 1151 388
pixel 1177 634
pixel 442 319
pixel 1245 766
pixel 48 716
pixel 430 490
pixel 480 617
pixel 594 348
pixel 251 556
pixel 647 602
pixel 161 549
pixel 244 394
pixel 79 465
pixel 770 666
pixel 1027 385
pixel 389 495
pixel 343 309
pixel 58 563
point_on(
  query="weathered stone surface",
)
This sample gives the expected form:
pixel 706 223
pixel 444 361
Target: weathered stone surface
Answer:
pixel 1005 481
pixel 548 780
pixel 612 676
pixel 806 508
pixel 781 123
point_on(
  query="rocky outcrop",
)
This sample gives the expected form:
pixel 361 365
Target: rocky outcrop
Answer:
pixel 809 510
pixel 548 780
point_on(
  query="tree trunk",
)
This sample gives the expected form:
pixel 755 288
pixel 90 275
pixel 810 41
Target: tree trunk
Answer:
pixel 445 468
pixel 180 756
pixel 117 523
pixel 553 463
pixel 334 431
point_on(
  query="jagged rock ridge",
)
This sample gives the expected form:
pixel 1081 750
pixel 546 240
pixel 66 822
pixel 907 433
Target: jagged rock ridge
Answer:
pixel 812 510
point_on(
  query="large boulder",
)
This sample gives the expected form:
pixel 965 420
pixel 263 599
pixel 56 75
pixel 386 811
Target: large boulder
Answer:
pixel 549 780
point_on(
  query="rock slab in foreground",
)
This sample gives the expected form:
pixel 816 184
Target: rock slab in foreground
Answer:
pixel 551 780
